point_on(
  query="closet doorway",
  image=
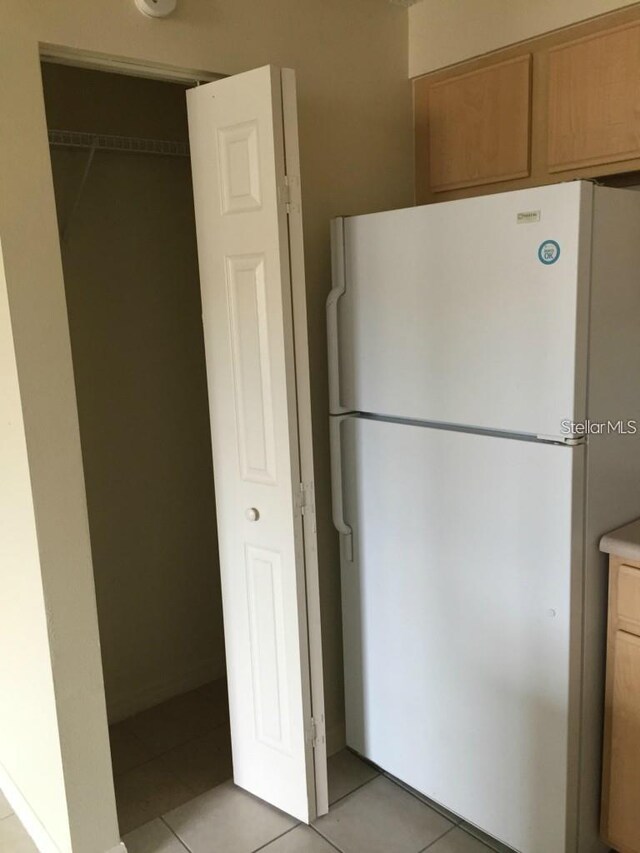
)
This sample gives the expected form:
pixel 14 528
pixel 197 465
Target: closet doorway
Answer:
pixel 122 179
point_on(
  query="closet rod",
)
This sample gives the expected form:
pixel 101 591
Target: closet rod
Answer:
pixel 104 142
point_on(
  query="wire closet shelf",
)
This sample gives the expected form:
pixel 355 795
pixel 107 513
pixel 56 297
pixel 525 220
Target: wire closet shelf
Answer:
pixel 125 144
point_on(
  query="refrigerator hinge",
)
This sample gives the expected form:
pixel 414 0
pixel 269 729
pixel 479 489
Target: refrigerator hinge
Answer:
pixel 316 734
pixel 567 442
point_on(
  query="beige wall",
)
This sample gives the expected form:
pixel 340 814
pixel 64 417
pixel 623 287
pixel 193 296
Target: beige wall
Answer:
pixel 27 700
pixel 356 149
pixel 443 32
pixel 133 297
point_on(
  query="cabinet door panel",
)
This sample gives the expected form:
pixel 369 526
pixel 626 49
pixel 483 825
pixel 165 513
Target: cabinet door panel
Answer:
pixel 479 126
pixel 624 768
pixel 594 100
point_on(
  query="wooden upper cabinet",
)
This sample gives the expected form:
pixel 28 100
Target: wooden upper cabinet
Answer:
pixel 563 105
pixel 594 100
pixel 479 126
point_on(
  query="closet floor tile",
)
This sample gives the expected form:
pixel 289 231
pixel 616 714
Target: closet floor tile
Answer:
pixel 346 773
pixel 204 762
pixel 381 817
pixel 301 839
pixel 153 837
pixel 146 792
pixel 180 718
pixel 5 808
pixel 204 708
pixel 458 841
pixel 14 838
pixel 127 751
pixel 227 820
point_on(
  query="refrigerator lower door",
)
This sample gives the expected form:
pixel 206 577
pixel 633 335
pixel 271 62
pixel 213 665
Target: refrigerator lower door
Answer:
pixel 461 608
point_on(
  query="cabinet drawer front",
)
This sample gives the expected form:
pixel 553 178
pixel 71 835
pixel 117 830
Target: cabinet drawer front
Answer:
pixel 628 599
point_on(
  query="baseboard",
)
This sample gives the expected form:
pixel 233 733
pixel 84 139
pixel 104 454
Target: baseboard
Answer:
pixel 336 738
pixel 125 704
pixel 119 848
pixel 25 814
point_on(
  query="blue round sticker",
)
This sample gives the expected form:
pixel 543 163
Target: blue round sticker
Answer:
pixel 549 252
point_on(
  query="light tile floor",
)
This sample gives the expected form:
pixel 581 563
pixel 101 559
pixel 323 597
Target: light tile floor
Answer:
pixel 370 813
pixel 167 755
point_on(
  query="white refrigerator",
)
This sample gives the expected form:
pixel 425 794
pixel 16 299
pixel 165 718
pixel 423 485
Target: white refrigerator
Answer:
pixel 475 349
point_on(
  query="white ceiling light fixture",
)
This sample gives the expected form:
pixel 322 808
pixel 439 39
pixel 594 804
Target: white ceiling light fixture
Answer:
pixel 156 8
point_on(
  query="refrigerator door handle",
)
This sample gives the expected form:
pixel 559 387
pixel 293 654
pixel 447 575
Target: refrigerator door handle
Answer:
pixel 340 524
pixel 339 287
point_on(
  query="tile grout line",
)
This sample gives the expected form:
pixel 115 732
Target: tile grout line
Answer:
pixel 382 774
pixel 324 838
pixel 458 823
pixel 357 788
pixel 175 834
pixel 439 838
pixel 282 834
pixel 457 820
pixel 403 787
pixel 482 841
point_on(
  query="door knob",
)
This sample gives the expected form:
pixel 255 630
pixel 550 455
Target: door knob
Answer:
pixel 252 514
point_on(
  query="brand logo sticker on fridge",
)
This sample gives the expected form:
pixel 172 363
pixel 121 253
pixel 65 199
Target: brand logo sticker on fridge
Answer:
pixel 549 252
pixel 527 216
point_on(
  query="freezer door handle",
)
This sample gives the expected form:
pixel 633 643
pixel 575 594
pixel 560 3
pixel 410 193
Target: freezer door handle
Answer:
pixel 339 522
pixel 339 287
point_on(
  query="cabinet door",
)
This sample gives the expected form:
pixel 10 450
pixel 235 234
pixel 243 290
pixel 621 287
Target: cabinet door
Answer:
pixel 478 126
pixel 594 100
pixel 624 768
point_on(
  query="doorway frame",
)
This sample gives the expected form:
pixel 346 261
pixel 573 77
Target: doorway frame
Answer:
pixel 100 810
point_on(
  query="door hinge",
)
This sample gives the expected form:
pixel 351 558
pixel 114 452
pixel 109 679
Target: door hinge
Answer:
pixel 304 497
pixel 287 193
pixel 317 731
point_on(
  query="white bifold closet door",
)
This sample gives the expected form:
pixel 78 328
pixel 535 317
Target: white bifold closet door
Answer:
pixel 244 154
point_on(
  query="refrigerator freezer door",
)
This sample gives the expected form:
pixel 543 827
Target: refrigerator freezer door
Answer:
pixel 459 610
pixel 467 313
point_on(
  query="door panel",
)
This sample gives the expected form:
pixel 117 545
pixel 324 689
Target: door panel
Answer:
pixel 246 297
pixel 450 315
pixel 236 128
pixel 459 611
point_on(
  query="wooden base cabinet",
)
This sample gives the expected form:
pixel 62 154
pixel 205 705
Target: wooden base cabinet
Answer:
pixel 621 764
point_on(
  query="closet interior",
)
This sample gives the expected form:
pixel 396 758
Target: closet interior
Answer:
pixel 121 170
